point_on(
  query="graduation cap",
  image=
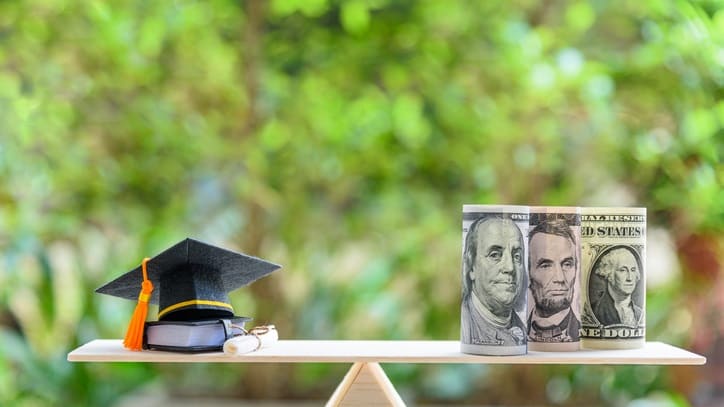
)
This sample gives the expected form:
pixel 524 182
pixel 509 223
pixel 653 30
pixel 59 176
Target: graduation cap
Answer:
pixel 189 281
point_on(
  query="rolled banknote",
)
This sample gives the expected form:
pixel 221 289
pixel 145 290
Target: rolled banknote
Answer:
pixel 554 253
pixel 494 280
pixel 257 338
pixel 613 251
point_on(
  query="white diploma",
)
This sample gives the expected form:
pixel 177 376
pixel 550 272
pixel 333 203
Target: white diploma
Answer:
pixel 257 338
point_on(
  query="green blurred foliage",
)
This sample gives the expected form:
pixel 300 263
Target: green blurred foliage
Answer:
pixel 340 139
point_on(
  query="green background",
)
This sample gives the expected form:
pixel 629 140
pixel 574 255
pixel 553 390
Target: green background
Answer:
pixel 340 139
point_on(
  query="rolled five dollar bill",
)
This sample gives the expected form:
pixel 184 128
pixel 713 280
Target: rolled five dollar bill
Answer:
pixel 554 259
pixel 494 280
pixel 613 250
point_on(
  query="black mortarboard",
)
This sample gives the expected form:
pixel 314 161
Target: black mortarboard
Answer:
pixel 191 280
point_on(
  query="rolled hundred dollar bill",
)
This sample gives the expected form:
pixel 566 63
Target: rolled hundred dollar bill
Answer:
pixel 494 280
pixel 554 254
pixel 613 249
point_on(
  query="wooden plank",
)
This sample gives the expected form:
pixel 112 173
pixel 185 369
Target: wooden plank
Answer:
pixel 330 351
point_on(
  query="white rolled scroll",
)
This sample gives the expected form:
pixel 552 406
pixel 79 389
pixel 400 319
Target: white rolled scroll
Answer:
pixel 257 338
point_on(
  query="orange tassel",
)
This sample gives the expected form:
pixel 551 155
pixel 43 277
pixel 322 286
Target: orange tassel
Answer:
pixel 134 334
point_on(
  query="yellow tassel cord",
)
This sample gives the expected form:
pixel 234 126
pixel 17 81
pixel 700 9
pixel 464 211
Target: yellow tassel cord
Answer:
pixel 134 335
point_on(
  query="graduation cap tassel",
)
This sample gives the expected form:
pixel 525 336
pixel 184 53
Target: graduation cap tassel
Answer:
pixel 134 334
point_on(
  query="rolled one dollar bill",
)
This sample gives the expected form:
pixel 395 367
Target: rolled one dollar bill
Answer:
pixel 494 280
pixel 554 258
pixel 613 250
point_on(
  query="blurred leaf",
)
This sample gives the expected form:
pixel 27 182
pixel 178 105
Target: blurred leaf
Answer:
pixel 355 16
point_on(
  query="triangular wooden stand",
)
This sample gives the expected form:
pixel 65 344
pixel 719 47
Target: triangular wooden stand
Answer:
pixel 365 384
